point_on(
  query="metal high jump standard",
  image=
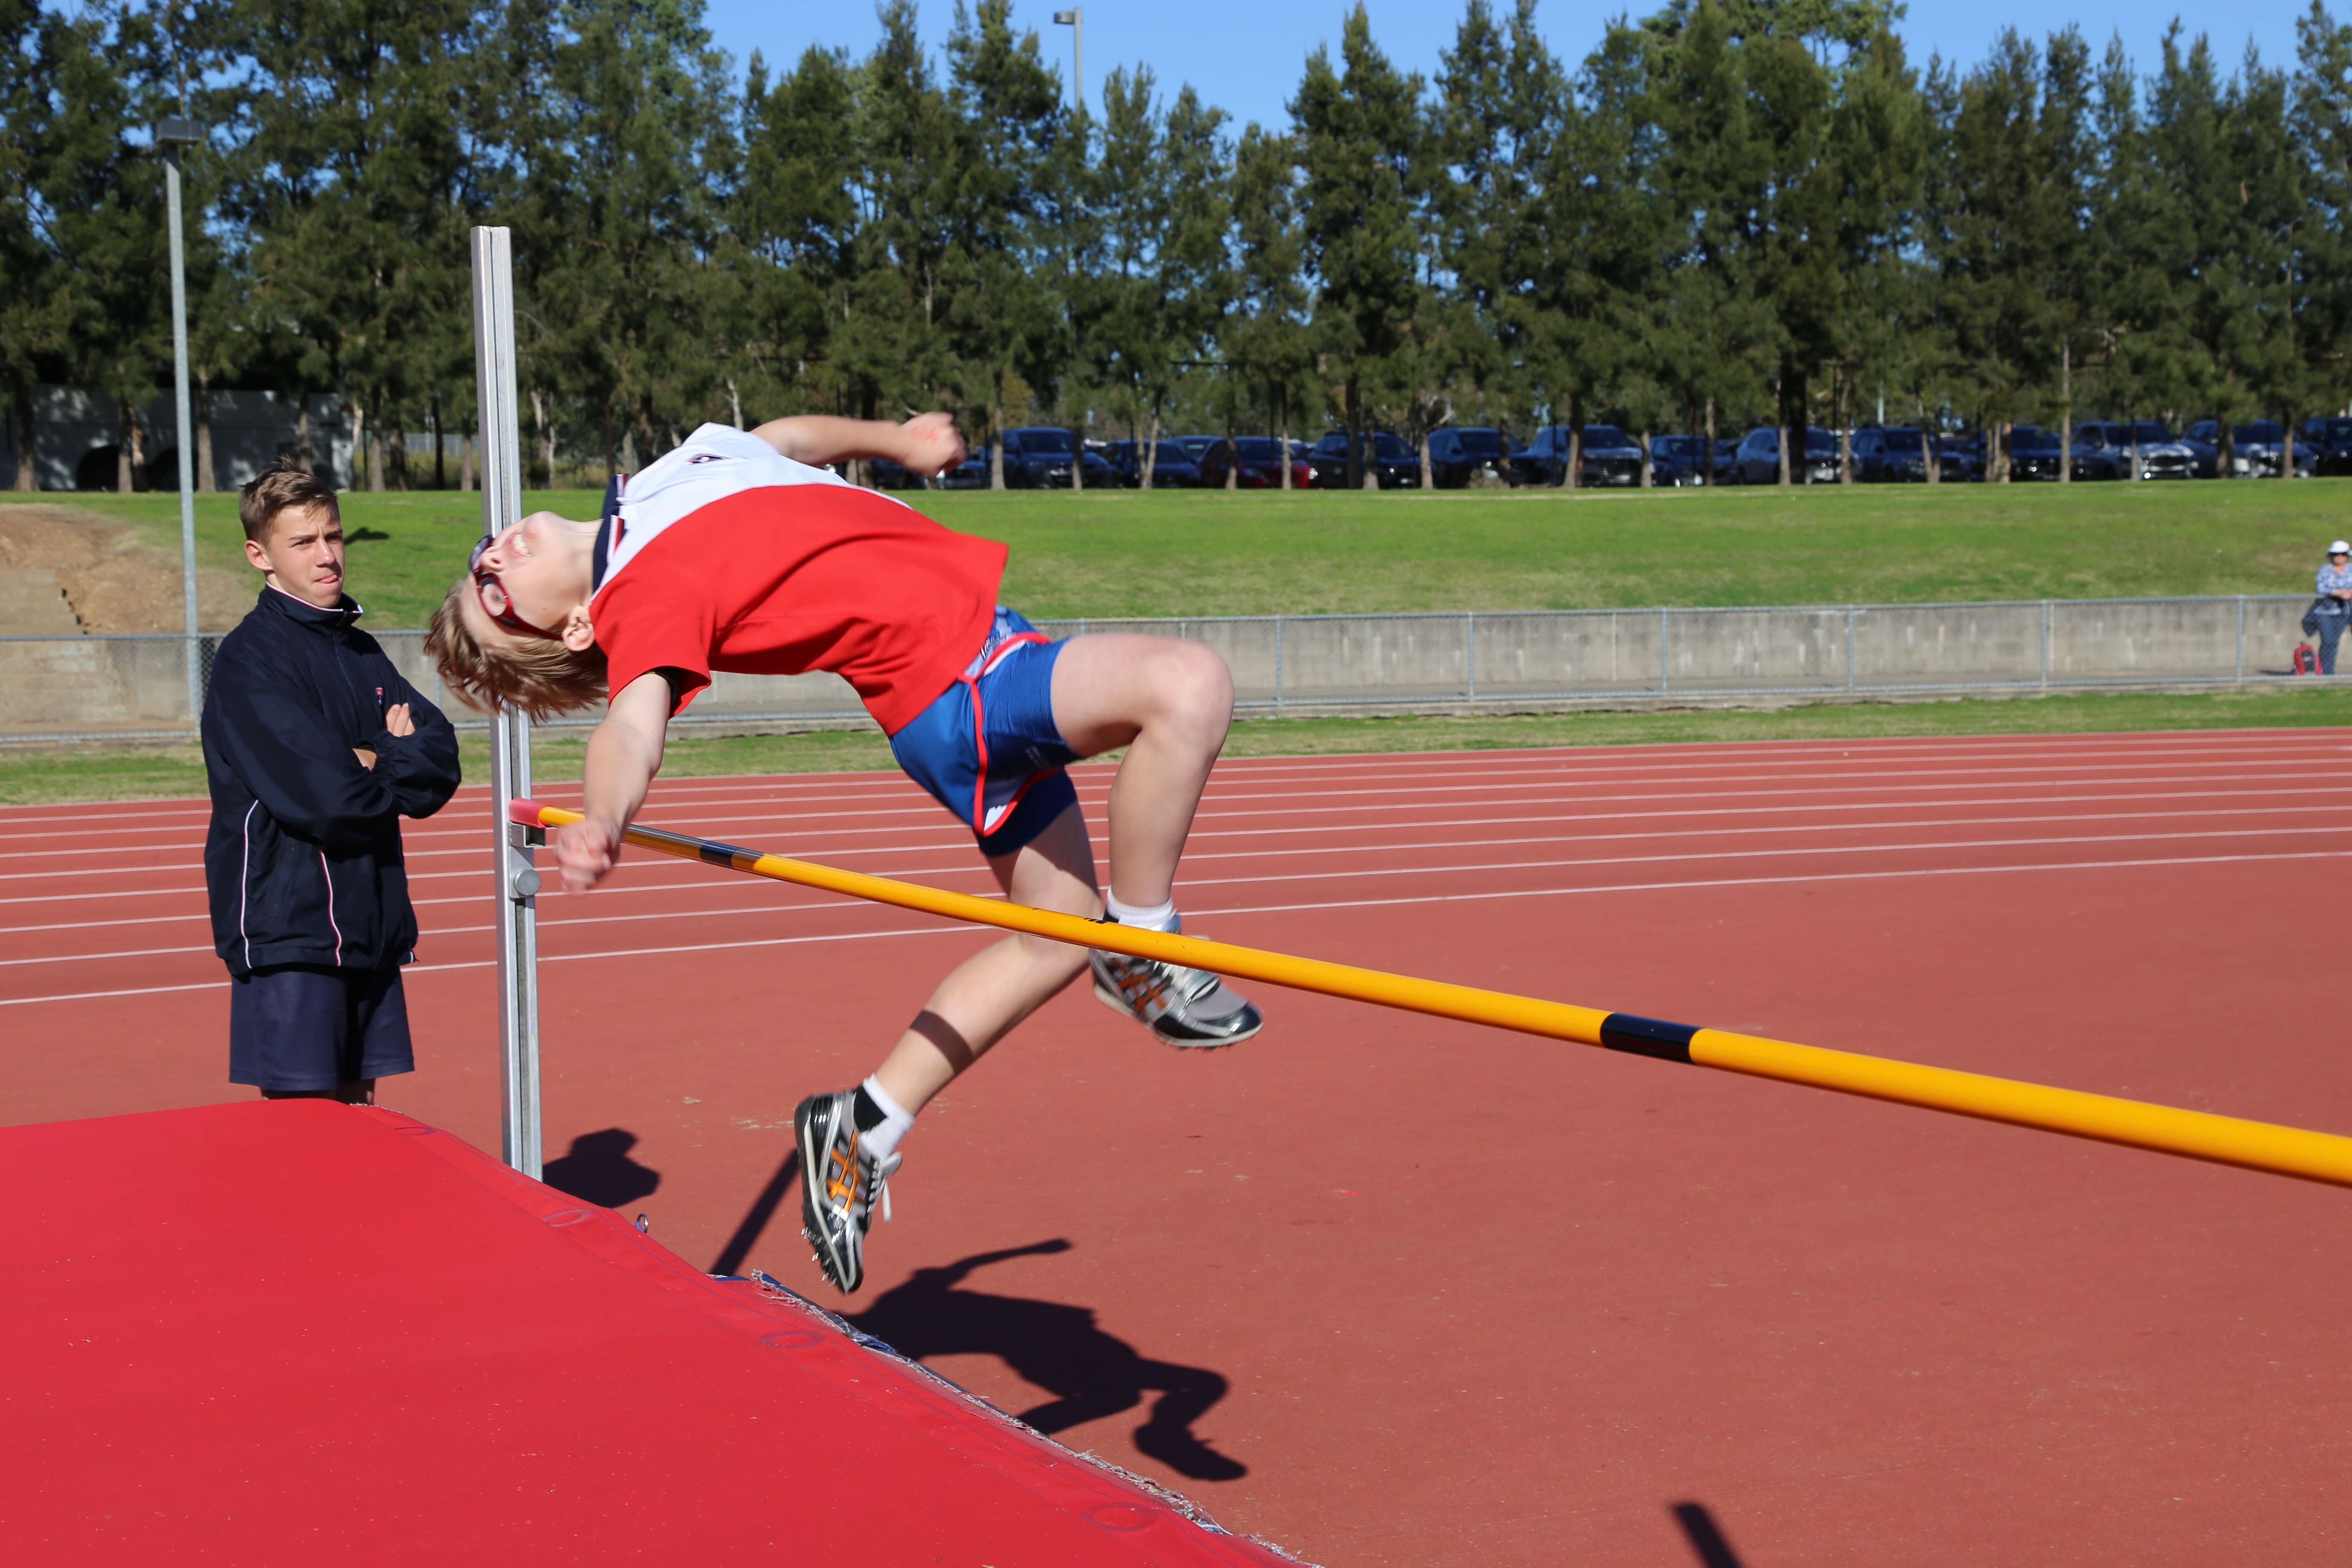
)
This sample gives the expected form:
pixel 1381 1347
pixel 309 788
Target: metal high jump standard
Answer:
pixel 518 876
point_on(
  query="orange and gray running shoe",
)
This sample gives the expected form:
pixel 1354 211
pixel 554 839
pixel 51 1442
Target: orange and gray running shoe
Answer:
pixel 839 1184
pixel 1187 1007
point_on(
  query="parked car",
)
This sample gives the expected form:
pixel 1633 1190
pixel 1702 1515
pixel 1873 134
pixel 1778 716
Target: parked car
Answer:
pixel 1395 462
pixel 1891 455
pixel 1257 462
pixel 2034 454
pixel 2102 450
pixel 1608 458
pixel 972 474
pixel 2254 450
pixel 2332 439
pixel 883 474
pixel 1681 460
pixel 1316 478
pixel 1458 455
pixel 1196 447
pixel 1037 456
pixel 1171 469
pixel 2263 442
pixel 1760 457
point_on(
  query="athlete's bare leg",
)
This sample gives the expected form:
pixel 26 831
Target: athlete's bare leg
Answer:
pixel 1006 981
pixel 1168 703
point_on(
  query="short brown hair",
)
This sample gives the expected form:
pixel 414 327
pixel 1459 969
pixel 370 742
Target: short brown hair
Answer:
pixel 286 485
pixel 541 677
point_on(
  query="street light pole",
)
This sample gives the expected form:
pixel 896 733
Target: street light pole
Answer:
pixel 1076 22
pixel 172 134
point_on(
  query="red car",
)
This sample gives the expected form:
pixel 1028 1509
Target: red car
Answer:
pixel 1260 467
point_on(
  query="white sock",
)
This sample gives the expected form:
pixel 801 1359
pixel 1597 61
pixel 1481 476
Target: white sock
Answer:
pixel 882 1141
pixel 1160 916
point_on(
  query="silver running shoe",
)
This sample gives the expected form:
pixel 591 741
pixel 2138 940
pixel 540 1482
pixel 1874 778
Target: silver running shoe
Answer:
pixel 839 1184
pixel 1188 1007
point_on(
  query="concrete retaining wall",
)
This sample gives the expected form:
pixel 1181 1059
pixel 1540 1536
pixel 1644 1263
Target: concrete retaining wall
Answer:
pixel 1445 663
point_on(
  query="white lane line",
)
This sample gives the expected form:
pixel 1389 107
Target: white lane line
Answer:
pixel 1791 852
pixel 1287 850
pixel 947 930
pixel 2324 822
pixel 1573 780
pixel 1717 882
pixel 1709 755
pixel 1327 873
pixel 1773 881
pixel 839 904
pixel 1720 785
pixel 1288 831
pixel 2130 790
pixel 1598 768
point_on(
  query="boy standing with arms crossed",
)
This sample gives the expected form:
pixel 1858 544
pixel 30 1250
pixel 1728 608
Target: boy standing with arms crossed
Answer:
pixel 315 747
pixel 740 552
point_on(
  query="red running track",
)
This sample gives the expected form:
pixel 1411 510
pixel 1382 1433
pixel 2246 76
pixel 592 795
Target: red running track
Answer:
pixel 1391 1289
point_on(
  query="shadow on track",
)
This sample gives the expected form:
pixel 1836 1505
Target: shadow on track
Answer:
pixel 599 1170
pixel 1057 1348
pixel 1705 1537
pixel 755 1220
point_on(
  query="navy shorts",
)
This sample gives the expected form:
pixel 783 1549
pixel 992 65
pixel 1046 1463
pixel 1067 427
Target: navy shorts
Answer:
pixel 300 1027
pixel 988 749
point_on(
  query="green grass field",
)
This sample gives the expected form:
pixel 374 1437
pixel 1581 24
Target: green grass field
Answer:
pixel 29 776
pixel 1123 552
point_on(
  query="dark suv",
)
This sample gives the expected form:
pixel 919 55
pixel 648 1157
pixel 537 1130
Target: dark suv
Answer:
pixel 1609 458
pixel 2332 439
pixel 1037 457
pixel 2034 454
pixel 1891 455
pixel 1394 460
pixel 1171 469
pixel 1760 457
pixel 1456 455
pixel 2102 450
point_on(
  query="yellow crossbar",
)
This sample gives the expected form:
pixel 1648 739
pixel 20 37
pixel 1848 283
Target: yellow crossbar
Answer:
pixel 2199 1135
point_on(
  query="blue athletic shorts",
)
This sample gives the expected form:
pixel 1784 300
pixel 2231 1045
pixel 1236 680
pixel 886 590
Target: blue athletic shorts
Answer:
pixel 305 1026
pixel 987 749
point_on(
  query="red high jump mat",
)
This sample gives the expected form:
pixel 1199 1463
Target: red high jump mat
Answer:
pixel 295 1332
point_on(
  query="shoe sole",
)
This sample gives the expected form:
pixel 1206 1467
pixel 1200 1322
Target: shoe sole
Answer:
pixel 1112 1000
pixel 829 1257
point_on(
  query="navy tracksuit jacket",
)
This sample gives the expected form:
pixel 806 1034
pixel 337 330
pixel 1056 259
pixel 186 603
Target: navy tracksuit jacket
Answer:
pixel 303 861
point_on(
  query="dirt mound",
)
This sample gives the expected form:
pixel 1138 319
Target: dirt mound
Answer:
pixel 115 583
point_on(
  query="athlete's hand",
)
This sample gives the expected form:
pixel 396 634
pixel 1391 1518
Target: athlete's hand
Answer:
pixel 396 720
pixel 586 852
pixel 932 445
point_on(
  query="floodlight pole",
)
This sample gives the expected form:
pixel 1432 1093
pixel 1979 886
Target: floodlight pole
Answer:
pixel 517 878
pixel 172 134
pixel 1076 22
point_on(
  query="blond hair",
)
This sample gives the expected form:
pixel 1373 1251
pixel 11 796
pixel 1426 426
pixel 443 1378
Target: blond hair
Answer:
pixel 542 677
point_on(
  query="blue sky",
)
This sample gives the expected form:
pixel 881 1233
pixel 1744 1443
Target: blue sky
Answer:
pixel 1245 56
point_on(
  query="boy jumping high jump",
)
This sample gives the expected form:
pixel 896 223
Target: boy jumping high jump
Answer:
pixel 738 551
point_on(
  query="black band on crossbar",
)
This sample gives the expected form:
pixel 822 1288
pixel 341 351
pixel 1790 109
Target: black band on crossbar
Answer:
pixel 1648 1036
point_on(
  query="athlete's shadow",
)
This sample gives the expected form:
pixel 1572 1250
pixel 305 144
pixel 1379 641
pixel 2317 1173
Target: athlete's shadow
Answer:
pixel 600 1170
pixel 1057 1348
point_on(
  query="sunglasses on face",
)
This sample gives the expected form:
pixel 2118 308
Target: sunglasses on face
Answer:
pixel 496 603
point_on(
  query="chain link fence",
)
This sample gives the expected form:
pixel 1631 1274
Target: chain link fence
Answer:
pixel 59 689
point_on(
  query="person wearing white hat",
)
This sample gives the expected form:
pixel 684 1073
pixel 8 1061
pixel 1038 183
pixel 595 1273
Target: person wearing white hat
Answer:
pixel 2333 603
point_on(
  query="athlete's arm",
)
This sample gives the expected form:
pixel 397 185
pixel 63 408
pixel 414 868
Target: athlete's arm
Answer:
pixel 927 443
pixel 625 753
